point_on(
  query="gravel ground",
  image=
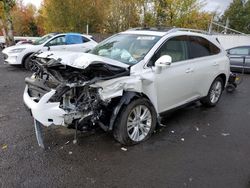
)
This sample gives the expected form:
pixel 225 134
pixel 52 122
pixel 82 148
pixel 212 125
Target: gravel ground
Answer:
pixel 198 148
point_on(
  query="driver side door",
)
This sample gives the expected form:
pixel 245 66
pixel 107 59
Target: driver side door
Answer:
pixel 174 84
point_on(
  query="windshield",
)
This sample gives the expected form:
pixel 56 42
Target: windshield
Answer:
pixel 43 39
pixel 126 48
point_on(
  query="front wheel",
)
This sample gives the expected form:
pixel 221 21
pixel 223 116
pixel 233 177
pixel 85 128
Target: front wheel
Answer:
pixel 135 123
pixel 214 93
pixel 27 63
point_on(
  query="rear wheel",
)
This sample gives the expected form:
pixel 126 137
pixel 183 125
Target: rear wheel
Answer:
pixel 214 93
pixel 135 123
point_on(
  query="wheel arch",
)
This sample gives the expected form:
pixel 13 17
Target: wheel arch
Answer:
pixel 25 57
pixel 127 97
pixel 224 78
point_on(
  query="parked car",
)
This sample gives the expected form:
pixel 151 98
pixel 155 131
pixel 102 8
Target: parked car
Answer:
pixel 239 58
pixel 23 42
pixel 19 55
pixel 127 82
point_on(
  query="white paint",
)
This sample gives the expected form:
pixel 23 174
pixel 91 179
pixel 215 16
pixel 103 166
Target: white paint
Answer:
pixel 231 41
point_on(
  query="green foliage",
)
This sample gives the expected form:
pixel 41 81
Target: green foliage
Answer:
pixel 238 14
pixel 74 15
pixel 109 16
pixel 181 13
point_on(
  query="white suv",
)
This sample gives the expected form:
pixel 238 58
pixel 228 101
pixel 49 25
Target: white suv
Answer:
pixel 126 82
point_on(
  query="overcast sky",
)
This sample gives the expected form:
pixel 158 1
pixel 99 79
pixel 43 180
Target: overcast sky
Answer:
pixel 219 5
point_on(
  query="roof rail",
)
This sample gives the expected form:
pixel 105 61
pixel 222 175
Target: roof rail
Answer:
pixel 159 29
pixel 190 30
pixel 168 29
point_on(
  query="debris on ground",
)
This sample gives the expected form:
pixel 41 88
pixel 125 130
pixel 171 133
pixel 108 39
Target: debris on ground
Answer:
pixel 190 179
pixel 182 139
pixel 225 134
pixel 172 132
pixel 124 149
pixel 67 143
pixel 70 152
pixel 197 128
pixel 5 146
pixel 208 124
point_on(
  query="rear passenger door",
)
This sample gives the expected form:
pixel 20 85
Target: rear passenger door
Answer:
pixel 77 43
pixel 206 63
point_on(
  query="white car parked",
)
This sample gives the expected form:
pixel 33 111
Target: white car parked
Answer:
pixel 19 54
pixel 127 82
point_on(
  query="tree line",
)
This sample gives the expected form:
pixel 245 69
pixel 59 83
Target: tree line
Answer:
pixel 111 16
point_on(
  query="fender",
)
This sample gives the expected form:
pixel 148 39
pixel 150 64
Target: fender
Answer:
pixel 125 100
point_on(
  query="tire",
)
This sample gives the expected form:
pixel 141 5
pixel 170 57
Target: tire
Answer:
pixel 125 133
pixel 214 93
pixel 27 63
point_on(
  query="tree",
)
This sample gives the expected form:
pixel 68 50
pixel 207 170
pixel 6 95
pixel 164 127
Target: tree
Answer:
pixel 122 15
pixel 238 14
pixel 6 20
pixel 181 13
pixel 73 15
pixel 24 20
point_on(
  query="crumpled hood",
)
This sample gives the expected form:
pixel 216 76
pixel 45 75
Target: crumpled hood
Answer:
pixel 79 60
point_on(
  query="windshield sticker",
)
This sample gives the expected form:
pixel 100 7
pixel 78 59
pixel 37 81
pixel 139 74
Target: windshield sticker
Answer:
pixel 145 38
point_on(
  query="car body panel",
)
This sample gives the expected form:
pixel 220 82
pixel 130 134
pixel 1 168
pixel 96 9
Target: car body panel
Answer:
pixel 239 58
pixel 17 58
pixel 166 87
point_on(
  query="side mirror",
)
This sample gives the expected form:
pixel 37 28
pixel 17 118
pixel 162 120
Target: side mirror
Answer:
pixel 163 61
pixel 48 47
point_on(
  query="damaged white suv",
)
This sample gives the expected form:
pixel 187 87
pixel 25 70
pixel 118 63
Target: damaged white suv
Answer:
pixel 126 82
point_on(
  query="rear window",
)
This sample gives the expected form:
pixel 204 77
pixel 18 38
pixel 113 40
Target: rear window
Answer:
pixel 200 47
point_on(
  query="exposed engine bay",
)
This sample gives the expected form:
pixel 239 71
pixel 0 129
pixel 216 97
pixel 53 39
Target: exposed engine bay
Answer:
pixel 74 90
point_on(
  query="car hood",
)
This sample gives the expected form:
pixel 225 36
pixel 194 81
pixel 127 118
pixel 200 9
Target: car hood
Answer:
pixel 8 49
pixel 79 60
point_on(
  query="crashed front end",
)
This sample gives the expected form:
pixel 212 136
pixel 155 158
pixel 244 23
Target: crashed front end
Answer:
pixel 62 93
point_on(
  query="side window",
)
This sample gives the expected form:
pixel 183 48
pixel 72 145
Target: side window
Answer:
pixel 200 47
pixel 73 39
pixel 84 39
pixel 175 47
pixel 57 41
pixel 239 51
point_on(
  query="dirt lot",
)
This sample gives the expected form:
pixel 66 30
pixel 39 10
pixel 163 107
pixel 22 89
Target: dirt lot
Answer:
pixel 199 148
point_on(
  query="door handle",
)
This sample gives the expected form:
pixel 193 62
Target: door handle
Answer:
pixel 189 70
pixel 215 64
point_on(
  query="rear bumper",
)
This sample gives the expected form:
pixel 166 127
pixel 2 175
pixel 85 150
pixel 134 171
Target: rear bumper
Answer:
pixel 47 113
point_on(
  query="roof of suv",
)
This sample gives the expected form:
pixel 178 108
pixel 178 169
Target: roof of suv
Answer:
pixel 162 31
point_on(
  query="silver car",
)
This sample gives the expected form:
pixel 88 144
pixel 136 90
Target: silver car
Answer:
pixel 239 58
